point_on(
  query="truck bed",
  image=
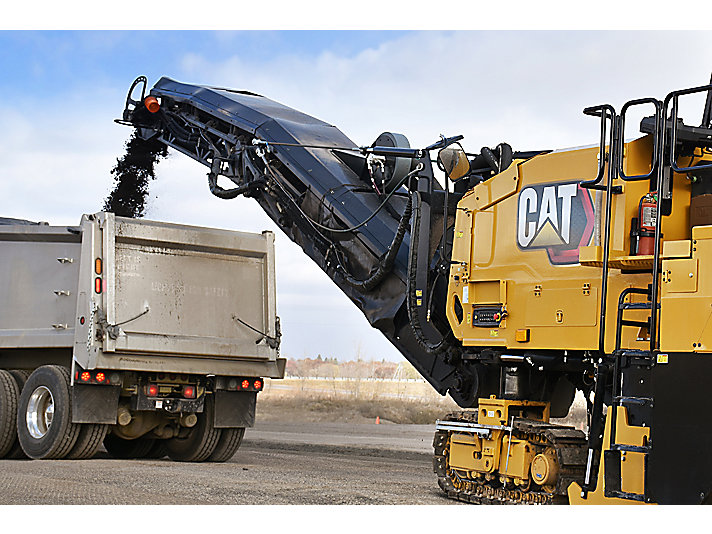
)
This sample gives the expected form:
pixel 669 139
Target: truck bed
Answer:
pixel 141 295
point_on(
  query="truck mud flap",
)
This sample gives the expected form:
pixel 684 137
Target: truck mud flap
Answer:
pixel 95 404
pixel 235 409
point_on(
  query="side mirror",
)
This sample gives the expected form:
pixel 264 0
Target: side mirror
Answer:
pixel 454 162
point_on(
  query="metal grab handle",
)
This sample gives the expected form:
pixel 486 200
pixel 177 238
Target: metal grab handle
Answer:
pixel 655 161
pixel 127 113
pixel 606 112
pixel 673 96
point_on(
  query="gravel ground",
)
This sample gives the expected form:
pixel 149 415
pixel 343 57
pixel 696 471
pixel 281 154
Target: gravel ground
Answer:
pixel 278 463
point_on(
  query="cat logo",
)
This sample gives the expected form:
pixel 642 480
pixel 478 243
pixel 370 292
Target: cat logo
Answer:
pixel 556 217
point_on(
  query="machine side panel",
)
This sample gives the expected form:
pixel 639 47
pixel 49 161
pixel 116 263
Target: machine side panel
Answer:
pixel 531 241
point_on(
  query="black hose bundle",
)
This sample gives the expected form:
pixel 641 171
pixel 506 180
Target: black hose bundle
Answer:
pixel 226 194
pixel 411 298
pixel 385 266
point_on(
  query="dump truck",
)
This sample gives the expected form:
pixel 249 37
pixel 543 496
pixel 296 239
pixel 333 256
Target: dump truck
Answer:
pixel 149 337
pixel 523 277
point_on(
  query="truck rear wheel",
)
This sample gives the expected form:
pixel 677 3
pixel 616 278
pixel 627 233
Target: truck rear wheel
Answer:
pixel 229 442
pixel 125 449
pixel 16 452
pixel 9 393
pixel 44 415
pixel 200 442
pixel 90 437
pixel 158 450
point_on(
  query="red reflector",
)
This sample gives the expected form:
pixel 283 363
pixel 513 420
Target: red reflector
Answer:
pixel 86 376
pixel 152 390
pixel 245 384
pixel 258 384
pixel 97 285
pixel 152 104
pixel 189 392
pixel 100 377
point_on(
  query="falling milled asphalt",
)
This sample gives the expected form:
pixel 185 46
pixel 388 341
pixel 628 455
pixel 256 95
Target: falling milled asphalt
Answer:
pixel 278 463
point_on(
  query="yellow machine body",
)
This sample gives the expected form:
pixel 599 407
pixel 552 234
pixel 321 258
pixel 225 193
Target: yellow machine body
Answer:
pixel 552 301
pixel 502 454
pixel 526 275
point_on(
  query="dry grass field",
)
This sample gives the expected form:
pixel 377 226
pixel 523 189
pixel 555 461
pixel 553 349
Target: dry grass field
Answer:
pixel 364 400
pixel 351 400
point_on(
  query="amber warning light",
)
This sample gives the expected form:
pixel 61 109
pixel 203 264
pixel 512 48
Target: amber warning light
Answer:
pixel 152 104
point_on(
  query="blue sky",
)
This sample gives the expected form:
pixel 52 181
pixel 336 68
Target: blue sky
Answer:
pixel 51 64
pixel 60 91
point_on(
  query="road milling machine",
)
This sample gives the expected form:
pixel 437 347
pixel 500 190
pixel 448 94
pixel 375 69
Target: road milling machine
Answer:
pixel 527 276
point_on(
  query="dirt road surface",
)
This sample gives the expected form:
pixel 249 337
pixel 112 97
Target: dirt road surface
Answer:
pixel 278 463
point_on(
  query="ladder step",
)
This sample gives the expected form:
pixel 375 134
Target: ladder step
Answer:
pixel 625 495
pixel 637 306
pixel 612 480
pixel 631 448
pixel 634 353
pixel 632 400
pixel 641 324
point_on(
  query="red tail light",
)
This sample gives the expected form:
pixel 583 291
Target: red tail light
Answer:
pixel 258 384
pixel 245 384
pixel 100 377
pixel 152 390
pixel 86 376
pixel 189 392
pixel 97 285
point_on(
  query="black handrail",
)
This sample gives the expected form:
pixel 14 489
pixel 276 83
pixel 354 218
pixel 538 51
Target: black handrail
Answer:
pixel 674 95
pixel 606 112
pixel 655 160
pixel 621 307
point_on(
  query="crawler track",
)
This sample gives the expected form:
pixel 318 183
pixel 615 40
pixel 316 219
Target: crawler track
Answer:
pixel 570 446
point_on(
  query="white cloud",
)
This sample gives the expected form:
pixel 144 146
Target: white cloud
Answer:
pixel 54 164
pixel 525 87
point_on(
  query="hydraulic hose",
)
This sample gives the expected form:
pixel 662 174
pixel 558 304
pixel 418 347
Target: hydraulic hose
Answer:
pixel 385 266
pixel 413 316
pixel 226 194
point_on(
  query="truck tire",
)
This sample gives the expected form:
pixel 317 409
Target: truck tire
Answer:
pixel 9 393
pixel 16 452
pixel 125 449
pixel 90 438
pixel 229 442
pixel 44 415
pixel 20 376
pixel 158 450
pixel 200 442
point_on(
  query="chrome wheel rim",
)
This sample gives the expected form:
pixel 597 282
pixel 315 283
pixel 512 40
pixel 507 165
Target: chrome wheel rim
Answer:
pixel 40 412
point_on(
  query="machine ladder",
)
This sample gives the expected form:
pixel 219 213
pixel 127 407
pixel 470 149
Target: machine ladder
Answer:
pixel 666 134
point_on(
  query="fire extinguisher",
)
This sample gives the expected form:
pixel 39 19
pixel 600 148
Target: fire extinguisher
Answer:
pixel 647 213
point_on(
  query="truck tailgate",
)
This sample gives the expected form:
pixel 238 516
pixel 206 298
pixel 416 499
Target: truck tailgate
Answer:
pixel 199 285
